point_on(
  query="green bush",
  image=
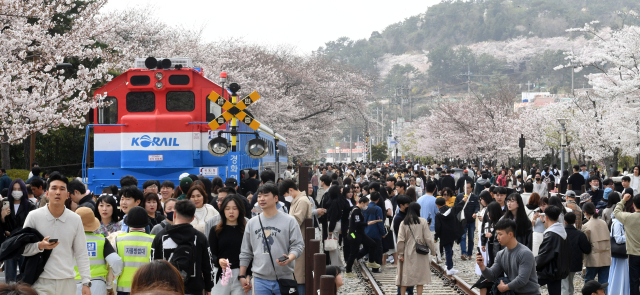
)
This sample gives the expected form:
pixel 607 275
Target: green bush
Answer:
pixel 18 173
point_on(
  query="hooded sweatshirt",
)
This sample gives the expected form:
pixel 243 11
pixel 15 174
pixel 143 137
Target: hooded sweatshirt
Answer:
pixel 554 258
pixel 170 237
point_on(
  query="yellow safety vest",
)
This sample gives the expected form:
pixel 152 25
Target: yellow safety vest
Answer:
pixel 135 250
pixel 98 266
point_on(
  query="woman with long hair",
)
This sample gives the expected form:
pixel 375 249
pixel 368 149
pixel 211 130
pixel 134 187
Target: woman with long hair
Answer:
pixel 537 221
pixel 413 230
pixel 612 200
pixel 152 205
pixel 411 192
pixel 599 260
pixel 19 207
pixel 155 276
pixel 516 212
pixel 204 211
pixel 348 203
pixel 216 184
pixel 488 235
pixel 335 208
pixel 229 231
pixel 556 201
pixel 106 212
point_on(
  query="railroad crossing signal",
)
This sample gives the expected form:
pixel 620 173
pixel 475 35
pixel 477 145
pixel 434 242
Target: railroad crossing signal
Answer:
pixel 234 110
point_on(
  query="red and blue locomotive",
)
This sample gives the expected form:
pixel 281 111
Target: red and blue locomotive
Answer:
pixel 155 127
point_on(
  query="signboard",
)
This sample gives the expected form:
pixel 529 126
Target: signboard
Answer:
pixel 155 158
pixel 322 160
pixel 234 110
pixel 209 171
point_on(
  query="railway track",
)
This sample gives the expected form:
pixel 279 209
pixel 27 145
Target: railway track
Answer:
pixel 385 283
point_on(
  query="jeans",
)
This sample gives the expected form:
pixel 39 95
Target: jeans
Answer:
pixel 554 286
pixel 634 274
pixel 11 269
pixel 315 190
pixel 301 289
pixel 448 251
pixel 469 229
pixel 409 291
pixel 567 284
pixel 602 272
pixel 265 287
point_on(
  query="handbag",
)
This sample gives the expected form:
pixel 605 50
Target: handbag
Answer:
pixel 330 244
pixel 618 250
pixel 461 218
pixel 420 249
pixel 287 286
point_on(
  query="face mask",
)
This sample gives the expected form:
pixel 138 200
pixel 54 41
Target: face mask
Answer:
pixel 169 216
pixel 17 195
pixel 537 179
pixel 594 187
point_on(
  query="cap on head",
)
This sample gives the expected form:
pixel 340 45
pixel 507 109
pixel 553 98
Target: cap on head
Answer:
pixel 230 182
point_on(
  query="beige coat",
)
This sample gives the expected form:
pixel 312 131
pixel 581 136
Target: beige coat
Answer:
pixel 597 233
pixel 415 270
pixel 300 209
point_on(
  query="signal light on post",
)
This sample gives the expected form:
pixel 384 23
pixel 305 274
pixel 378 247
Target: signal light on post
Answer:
pixel 256 148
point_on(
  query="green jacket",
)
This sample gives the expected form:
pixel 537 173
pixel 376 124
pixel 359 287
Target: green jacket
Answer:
pixel 631 222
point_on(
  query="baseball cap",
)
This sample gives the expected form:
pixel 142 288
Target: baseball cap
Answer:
pixel 231 182
pixel 465 171
pixel 591 287
pixel 183 175
pixel 570 193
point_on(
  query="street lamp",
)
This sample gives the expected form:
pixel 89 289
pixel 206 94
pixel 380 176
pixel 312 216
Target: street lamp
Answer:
pixel 521 144
pixel 481 149
pixel 563 142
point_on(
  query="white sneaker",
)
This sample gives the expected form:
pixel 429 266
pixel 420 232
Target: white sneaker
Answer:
pixel 452 271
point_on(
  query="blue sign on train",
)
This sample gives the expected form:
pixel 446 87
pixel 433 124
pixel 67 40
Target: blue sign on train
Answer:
pixel 147 141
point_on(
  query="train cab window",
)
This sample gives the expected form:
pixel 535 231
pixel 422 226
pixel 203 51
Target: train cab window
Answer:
pixel 141 102
pixel 181 101
pixel 213 110
pixel 109 114
pixel 179 80
pixel 140 80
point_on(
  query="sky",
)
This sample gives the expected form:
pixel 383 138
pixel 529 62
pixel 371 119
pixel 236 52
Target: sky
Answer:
pixel 304 24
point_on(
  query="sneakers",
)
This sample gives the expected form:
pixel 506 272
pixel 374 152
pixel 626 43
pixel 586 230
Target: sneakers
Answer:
pixel 373 265
pixel 463 257
pixel 452 271
pixel 350 275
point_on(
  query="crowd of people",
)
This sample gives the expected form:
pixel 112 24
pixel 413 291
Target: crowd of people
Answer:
pixel 527 229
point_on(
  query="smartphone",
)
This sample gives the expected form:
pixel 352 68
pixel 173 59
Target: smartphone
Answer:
pixel 51 241
pixel 5 204
pixel 479 251
pixel 283 258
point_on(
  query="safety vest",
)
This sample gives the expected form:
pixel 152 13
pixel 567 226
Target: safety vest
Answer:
pixel 98 266
pixel 135 250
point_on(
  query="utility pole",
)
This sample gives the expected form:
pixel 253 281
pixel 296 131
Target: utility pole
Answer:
pixel 468 81
pixel 528 86
pixel 350 143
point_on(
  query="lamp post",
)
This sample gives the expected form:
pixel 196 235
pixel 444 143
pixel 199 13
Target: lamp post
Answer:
pixel 521 143
pixel 563 142
pixel 481 149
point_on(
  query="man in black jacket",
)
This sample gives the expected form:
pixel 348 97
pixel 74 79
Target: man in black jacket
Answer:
pixel 461 181
pixel 448 229
pixel 174 238
pixel 470 212
pixel 579 245
pixel 576 180
pixel 554 257
pixel 447 180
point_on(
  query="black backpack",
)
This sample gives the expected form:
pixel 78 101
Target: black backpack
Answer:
pixel 183 258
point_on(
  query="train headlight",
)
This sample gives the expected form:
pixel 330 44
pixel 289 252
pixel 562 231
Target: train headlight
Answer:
pixel 219 146
pixel 159 76
pixel 159 85
pixel 256 148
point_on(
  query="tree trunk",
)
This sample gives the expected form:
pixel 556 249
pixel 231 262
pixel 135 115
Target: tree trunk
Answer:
pixel 26 143
pixel 616 157
pixel 6 156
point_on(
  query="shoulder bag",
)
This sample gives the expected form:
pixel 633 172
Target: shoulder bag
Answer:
pixel 420 249
pixel 287 286
pixel 618 250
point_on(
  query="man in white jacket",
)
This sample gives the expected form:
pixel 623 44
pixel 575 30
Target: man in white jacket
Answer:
pixel 56 222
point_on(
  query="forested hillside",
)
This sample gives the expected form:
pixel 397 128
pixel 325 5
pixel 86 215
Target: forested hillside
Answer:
pixel 520 40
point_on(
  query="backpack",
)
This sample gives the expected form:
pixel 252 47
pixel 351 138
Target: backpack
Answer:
pixel 183 259
pixel 546 178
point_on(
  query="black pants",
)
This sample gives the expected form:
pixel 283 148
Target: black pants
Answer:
pixel 554 286
pixel 634 274
pixel 369 247
pixel 377 257
pixel 346 245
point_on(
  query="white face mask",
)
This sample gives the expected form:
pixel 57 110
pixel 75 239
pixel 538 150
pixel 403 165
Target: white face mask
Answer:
pixel 17 195
pixel 594 187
